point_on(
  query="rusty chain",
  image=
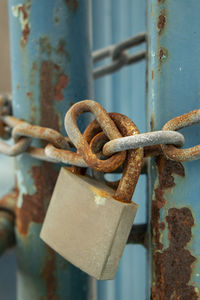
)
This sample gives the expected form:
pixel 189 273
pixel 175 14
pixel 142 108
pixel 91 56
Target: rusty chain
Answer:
pixel 103 133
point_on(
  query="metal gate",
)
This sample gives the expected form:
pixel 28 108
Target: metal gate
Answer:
pixel 51 61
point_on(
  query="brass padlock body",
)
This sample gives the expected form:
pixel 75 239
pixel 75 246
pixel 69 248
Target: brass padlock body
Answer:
pixel 86 225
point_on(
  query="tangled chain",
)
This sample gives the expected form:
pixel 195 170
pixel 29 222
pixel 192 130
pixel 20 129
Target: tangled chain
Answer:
pixel 58 147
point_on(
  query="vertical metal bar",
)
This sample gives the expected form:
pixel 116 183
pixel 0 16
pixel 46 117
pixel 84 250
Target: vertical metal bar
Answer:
pixel 123 92
pixel 173 89
pixel 51 69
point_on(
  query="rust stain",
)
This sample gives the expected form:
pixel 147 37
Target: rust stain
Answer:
pixel 72 5
pixel 34 206
pixel 29 95
pixel 61 84
pixel 61 49
pixel 22 11
pixel 56 19
pixel 25 33
pixel 173 266
pixel 161 21
pixel 49 276
pixel 166 169
pixel 152 121
pixel 163 54
pixel 33 73
pixel 45 45
pixel 47 93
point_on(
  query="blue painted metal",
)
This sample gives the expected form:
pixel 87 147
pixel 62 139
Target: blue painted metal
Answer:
pixel 123 92
pixel 173 89
pixel 51 69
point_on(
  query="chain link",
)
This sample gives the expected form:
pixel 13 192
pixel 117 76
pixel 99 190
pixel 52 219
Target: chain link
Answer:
pixel 119 55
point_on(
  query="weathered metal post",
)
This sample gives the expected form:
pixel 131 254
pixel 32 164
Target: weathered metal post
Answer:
pixel 173 89
pixel 51 69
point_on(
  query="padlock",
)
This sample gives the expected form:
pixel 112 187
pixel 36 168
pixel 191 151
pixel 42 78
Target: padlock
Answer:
pixel 87 222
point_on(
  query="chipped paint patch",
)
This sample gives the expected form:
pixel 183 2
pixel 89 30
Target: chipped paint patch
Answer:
pixel 22 12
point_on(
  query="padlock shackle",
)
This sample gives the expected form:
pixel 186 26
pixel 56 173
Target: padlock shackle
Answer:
pixel 134 159
pixel 107 125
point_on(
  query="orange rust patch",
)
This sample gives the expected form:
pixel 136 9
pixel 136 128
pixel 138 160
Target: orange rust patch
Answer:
pixel 61 84
pixel 161 21
pixel 163 54
pixel 166 169
pixel 47 93
pixel 25 34
pixel 173 266
pixel 49 276
pixel 34 206
pixel 22 11
pixel 72 5
pixel 29 95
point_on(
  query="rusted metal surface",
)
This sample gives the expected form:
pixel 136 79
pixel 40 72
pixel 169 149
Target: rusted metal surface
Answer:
pixel 134 160
pixel 82 145
pixel 61 84
pixel 48 273
pixel 34 206
pixel 65 156
pixel 47 134
pixel 22 12
pixel 161 21
pixel 172 265
pixel 47 93
pixel 21 146
pixel 166 169
pixel 180 122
